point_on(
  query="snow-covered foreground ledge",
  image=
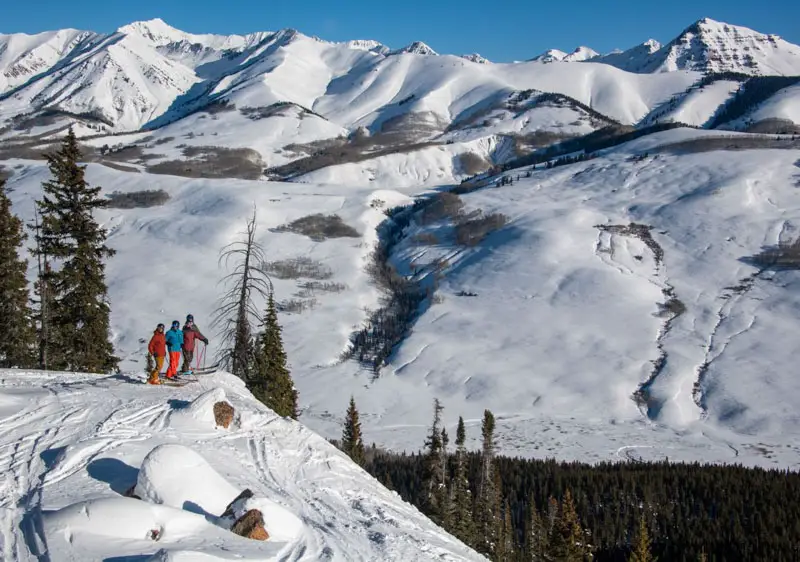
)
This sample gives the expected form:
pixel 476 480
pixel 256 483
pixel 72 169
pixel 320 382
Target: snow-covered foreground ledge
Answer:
pixel 71 445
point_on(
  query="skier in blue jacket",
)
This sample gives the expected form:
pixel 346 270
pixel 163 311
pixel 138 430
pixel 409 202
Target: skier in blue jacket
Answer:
pixel 174 339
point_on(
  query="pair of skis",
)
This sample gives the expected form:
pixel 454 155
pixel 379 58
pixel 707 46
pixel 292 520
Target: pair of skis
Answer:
pixel 182 380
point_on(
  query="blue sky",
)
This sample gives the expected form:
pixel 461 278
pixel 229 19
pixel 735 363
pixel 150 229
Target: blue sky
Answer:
pixel 501 31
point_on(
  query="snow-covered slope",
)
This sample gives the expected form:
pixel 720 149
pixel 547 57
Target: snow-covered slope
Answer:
pixel 783 105
pixel 565 325
pixel 73 444
pixel 697 106
pixel 24 56
pixel 634 59
pixel 713 46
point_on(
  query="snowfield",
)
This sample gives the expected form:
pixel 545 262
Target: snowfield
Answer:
pixel 568 325
pixel 71 445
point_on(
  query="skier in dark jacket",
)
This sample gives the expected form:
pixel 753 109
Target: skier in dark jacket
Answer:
pixel 191 333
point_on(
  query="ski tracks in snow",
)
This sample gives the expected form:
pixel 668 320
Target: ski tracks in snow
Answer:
pixel 31 461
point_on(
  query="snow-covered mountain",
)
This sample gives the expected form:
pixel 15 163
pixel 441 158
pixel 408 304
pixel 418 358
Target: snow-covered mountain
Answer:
pixel 475 57
pixel 415 48
pixel 581 54
pixel 550 55
pixel 634 59
pixel 75 445
pixel 148 74
pixel 713 46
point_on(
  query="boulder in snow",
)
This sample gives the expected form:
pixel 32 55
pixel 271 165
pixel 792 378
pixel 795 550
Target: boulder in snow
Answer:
pixel 251 525
pixel 201 413
pixel 223 414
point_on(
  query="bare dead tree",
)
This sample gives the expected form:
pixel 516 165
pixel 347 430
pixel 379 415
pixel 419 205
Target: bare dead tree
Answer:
pixel 237 310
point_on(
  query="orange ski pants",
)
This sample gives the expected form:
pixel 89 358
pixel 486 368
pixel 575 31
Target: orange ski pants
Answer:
pixel 159 364
pixel 174 358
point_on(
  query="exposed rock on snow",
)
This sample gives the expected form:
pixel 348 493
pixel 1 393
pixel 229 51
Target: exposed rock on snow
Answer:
pixel 223 414
pixel 251 526
pixel 203 412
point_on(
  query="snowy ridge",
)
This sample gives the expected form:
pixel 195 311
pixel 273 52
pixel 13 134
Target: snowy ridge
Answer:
pixel 74 444
pixel 148 74
pixel 713 46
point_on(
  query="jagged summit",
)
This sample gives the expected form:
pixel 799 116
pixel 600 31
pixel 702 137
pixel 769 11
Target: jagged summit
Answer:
pixel 415 48
pixel 155 30
pixel 712 46
pixel 476 58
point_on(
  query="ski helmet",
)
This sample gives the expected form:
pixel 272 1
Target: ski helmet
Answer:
pixel 160 326
pixel 176 324
pixel 189 318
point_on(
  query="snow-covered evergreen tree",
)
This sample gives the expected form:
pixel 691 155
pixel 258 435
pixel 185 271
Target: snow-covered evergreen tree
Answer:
pixel 75 246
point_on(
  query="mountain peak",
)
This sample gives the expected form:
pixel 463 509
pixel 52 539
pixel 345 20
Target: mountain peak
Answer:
pixel 415 48
pixel 550 55
pixel 581 53
pixel 156 30
pixel 476 58
pixel 709 46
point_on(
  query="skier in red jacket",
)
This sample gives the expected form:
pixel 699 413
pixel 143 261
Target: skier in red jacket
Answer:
pixel 191 333
pixel 158 349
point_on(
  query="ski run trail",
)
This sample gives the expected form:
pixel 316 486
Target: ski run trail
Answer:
pixel 72 444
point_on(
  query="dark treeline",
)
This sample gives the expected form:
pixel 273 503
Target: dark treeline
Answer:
pixel 754 91
pixel 725 512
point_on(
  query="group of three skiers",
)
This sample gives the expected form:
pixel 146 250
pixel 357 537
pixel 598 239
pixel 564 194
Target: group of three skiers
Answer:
pixel 175 341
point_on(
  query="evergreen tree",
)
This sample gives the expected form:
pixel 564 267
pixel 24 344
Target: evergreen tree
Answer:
pixel 488 494
pixel 434 480
pixel 77 296
pixel 538 531
pixel 641 545
pixel 505 545
pixel 447 506
pixel 568 539
pixel 462 524
pixel 19 339
pixel 271 382
pixel 352 444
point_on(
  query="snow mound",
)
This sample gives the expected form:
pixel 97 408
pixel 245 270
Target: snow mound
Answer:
pixel 97 529
pixel 177 476
pixel 200 412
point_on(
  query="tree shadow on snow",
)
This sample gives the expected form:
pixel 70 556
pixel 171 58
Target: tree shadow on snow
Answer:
pixel 177 404
pixel 192 507
pixel 118 475
pixel 50 456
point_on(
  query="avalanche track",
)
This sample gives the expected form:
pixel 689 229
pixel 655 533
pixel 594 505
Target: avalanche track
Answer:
pixel 70 438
